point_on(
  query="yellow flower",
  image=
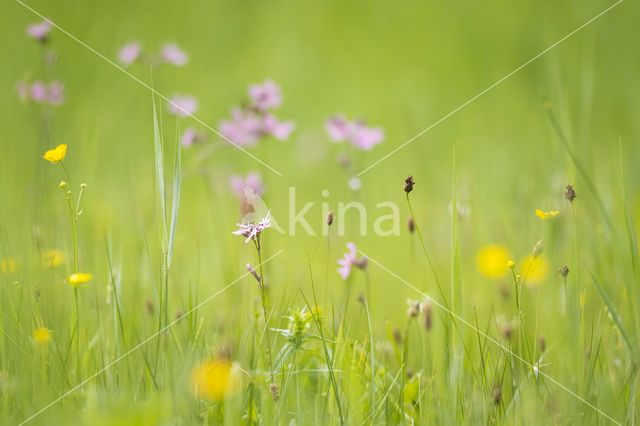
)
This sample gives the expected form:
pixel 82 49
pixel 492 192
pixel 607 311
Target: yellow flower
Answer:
pixel 7 265
pixel 41 335
pixel 57 154
pixel 52 258
pixel 79 279
pixel 546 215
pixel 511 264
pixel 214 379
pixel 492 260
pixel 534 269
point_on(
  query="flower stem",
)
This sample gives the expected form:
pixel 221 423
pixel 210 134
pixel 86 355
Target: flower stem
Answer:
pixel 263 296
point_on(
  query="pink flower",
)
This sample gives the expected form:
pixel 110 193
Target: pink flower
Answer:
pixel 253 181
pixel 129 53
pixel 39 31
pixel 338 128
pixel 55 93
pixel 243 128
pixel 38 91
pixel 192 136
pixel 365 137
pixel 172 54
pixel 187 105
pixel 278 129
pixel 350 260
pixel 265 96
pixel 253 230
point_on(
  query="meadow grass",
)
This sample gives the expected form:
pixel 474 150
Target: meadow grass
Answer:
pixel 126 299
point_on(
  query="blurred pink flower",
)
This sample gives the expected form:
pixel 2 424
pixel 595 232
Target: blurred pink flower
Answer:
pixel 338 128
pixel 172 54
pixel 55 93
pixel 365 137
pixel 39 31
pixel 252 181
pixel 38 91
pixel 278 129
pixel 252 230
pixel 265 96
pixel 350 260
pixel 192 136
pixel 129 53
pixel 243 128
pixel 186 104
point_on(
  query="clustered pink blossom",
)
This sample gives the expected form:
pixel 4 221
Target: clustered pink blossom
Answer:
pixel 255 121
pixel 252 181
pixel 350 259
pixel 185 104
pixel 129 53
pixel 192 136
pixel 52 93
pixel 265 96
pixel 172 54
pixel 357 132
pixel 39 31
pixel 253 230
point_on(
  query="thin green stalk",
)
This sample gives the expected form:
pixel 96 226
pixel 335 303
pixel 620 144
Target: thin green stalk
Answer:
pixel 263 296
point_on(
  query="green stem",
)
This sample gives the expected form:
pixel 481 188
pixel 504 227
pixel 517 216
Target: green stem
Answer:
pixel 263 296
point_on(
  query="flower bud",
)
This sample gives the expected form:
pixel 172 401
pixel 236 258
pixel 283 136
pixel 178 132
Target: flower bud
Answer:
pixel 63 185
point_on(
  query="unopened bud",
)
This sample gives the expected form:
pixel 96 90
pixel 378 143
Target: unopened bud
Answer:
pixel 538 248
pixel 63 185
pixel 330 218
pixel 254 273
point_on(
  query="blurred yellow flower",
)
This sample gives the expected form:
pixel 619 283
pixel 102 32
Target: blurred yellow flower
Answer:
pixel 546 215
pixel 511 264
pixel 79 279
pixel 492 260
pixel 52 258
pixel 57 154
pixel 7 265
pixel 214 379
pixel 534 269
pixel 41 335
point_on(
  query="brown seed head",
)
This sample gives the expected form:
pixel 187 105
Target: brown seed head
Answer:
pixel 330 218
pixel 411 226
pixel 570 193
pixel 408 184
pixel 564 271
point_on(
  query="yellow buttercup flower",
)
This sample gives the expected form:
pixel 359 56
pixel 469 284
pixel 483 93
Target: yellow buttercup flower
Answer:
pixel 41 335
pixel 511 264
pixel 52 258
pixel 57 154
pixel 214 379
pixel 7 265
pixel 79 279
pixel 534 269
pixel 546 215
pixel 492 260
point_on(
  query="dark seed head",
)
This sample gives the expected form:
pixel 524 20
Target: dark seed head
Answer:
pixel 570 193
pixel 564 271
pixel 408 184
pixel 411 226
pixel 496 394
pixel 330 218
